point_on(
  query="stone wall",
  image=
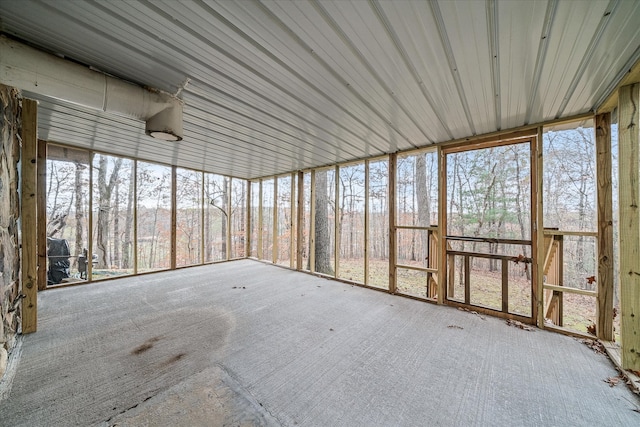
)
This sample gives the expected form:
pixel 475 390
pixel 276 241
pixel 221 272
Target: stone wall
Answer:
pixel 9 213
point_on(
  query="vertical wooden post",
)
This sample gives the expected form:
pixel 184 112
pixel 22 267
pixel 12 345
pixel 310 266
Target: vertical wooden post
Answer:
pixel 537 231
pixel 442 226
pixel 505 286
pixel 292 223
pixel 560 276
pixel 90 220
pixel 312 225
pixel 300 227
pixel 29 215
pixel 174 215
pixel 467 280
pixel 41 206
pixel 604 322
pixel 202 224
pixel 629 165
pixel 274 217
pixel 366 222
pixel 336 223
pixel 260 225
pixel 229 209
pixel 393 160
pixel 247 223
pixel 135 217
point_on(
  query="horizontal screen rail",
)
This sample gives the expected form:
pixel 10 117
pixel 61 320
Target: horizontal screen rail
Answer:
pixel 489 240
pixel 490 256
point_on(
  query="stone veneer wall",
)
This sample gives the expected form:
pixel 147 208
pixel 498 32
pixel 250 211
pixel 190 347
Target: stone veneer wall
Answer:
pixel 9 213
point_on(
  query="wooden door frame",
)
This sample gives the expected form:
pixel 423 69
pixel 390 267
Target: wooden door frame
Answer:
pixel 534 139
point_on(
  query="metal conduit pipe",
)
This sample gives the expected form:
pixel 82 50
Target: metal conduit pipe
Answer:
pixel 32 70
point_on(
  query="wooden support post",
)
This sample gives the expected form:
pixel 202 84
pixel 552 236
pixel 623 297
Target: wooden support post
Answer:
pixel 135 217
pixel 292 224
pixel 248 223
pixel 300 222
pixel 366 222
pixel 229 209
pixel 274 223
pixel 393 160
pixel 537 232
pixel 467 280
pixel 41 205
pixel 560 275
pixel 28 215
pixel 629 199
pixel 336 223
pixel 312 225
pixel 442 228
pixel 174 216
pixel 604 322
pixel 202 224
pixel 505 286
pixel 260 225
pixel 90 220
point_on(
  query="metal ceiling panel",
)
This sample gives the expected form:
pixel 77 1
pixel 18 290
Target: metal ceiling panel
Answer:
pixel 413 45
pixel 618 49
pixel 575 28
pixel 274 86
pixel 519 26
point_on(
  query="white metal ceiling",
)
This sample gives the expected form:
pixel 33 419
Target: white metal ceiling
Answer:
pixel 277 86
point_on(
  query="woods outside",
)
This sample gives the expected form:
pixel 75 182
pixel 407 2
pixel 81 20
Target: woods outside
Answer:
pixel 488 196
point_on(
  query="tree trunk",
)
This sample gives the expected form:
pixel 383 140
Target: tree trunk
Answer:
pixel 424 201
pixel 105 188
pixel 127 243
pixel 322 243
pixel 116 226
pixel 77 250
pixel 519 209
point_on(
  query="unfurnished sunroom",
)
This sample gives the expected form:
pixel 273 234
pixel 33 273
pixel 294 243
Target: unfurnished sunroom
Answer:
pixel 481 155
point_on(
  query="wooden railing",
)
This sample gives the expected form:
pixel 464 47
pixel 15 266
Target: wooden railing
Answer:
pixel 467 257
pixel 553 285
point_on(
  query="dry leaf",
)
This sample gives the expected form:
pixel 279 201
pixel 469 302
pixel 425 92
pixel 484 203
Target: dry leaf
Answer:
pixel 520 325
pixel 592 329
pixel 591 279
pixel 594 345
pixel 613 381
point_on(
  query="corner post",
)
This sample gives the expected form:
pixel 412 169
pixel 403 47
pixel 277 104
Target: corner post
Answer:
pixel 28 217
pixel 629 175
pixel 604 322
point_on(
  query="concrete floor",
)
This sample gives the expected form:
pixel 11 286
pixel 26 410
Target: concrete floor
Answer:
pixel 248 344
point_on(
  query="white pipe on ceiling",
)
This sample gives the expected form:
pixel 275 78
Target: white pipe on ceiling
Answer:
pixel 32 70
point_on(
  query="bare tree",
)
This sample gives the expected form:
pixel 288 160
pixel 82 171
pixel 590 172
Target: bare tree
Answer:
pixel 106 184
pixel 323 241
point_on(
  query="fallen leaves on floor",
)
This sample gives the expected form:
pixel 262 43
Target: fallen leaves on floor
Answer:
pixel 520 325
pixel 592 329
pixel 613 381
pixel 594 345
pixel 472 312
pixel 455 327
